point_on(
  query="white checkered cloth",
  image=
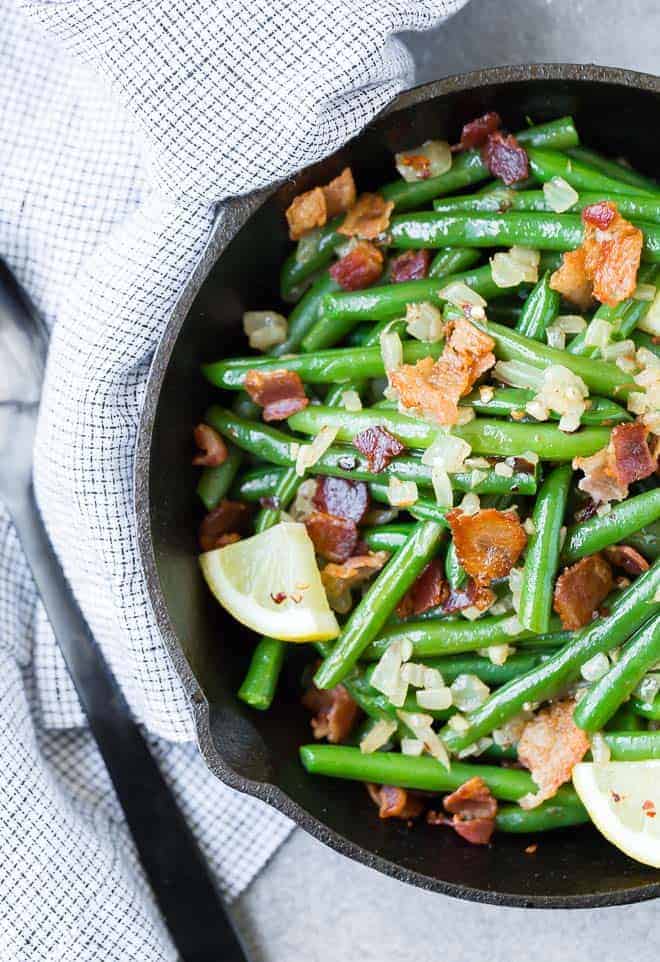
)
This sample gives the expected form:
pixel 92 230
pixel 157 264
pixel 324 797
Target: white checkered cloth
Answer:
pixel 122 124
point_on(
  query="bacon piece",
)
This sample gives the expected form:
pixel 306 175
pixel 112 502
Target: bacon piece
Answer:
pixel 368 217
pixel 334 538
pixel 433 389
pixel 338 580
pixel 550 745
pixel 426 592
pixel 599 480
pixel 487 543
pixel 477 131
pixel 313 208
pixel 588 510
pixel 599 215
pixel 571 280
pixel 343 498
pixel 359 268
pixel 632 456
pixel 335 712
pixel 410 266
pixel 340 193
pixel 580 590
pixel 469 595
pixel 230 538
pixel 212 448
pixel 505 158
pixel 228 517
pixel 612 255
pixel 280 393
pixel 378 446
pixel 395 802
pixel 626 557
pixel 473 811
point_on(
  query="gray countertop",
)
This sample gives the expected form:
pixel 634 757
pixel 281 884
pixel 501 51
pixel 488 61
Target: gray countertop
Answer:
pixel 310 903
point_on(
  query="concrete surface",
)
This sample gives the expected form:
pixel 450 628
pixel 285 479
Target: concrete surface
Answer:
pixel 314 905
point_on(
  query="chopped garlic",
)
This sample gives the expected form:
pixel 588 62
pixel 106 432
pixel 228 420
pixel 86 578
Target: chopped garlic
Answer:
pixel 513 267
pixel 559 195
pixel 391 350
pixel 434 699
pixel 265 329
pixel 378 735
pixel 424 321
pixel 470 504
pixel 351 401
pixel 412 746
pixel 401 494
pixel 309 454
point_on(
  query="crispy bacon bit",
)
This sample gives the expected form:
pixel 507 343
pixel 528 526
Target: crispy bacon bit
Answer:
pixel 334 538
pixel 505 158
pixel 487 543
pixel 212 448
pixel 410 266
pixel 476 133
pixel 473 810
pixel 343 498
pixel 312 208
pixel 599 480
pixel 335 712
pixel 433 389
pixel 531 849
pixel 428 591
pixel 280 393
pixel 229 517
pixel 470 595
pixel 358 269
pixel 580 589
pixel 340 193
pixel 395 802
pixel 338 580
pixel 626 557
pixel 550 745
pixel 588 510
pixel 606 264
pixel 378 446
pixel 599 215
pixel 368 218
pixel 632 456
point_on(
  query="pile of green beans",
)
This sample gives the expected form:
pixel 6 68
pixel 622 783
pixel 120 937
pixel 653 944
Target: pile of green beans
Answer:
pixel 520 649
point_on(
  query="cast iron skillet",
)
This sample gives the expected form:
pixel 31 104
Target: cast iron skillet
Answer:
pixel 616 111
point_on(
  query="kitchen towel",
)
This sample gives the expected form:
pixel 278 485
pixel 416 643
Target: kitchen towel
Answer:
pixel 123 125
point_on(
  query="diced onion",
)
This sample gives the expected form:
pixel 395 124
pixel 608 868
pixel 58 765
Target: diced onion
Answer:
pixel 302 506
pixel 308 245
pixel 512 627
pixel 424 321
pixel 648 688
pixel 460 295
pixel 651 320
pixel 555 337
pixel 414 674
pixel 378 735
pixel 562 391
pixel 401 494
pixel 645 292
pixel 458 723
pixel 391 350
pixel 513 267
pixel 511 732
pixel 598 334
pixel 620 349
pixel 476 748
pixel 412 746
pixel 559 195
pixel 433 678
pixel 265 329
pixel 470 504
pixel 422 728
pixel 529 526
pixel 387 676
pixel 519 374
pixel 438 155
pixel 503 470
pixel 434 699
pixel 309 454
pixel 498 654
pixel 476 477
pixel 469 692
pixel 442 488
pixel 351 401
pixel 448 452
pixel 600 750
pixel 596 667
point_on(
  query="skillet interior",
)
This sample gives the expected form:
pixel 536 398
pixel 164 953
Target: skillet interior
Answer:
pixel 615 111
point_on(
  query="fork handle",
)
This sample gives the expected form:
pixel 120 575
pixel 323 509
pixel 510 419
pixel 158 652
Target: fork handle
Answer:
pixel 180 881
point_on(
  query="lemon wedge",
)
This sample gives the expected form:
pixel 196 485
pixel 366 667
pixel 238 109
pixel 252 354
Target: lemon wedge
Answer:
pixel 623 801
pixel 271 583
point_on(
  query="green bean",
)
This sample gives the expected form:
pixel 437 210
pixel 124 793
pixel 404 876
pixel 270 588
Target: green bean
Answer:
pixel 284 493
pixel 443 636
pixel 540 309
pixel 215 482
pixel 258 483
pixel 386 537
pixel 373 703
pixel 625 720
pixel 454 570
pixel 599 376
pixel 650 710
pixel 634 606
pixel 245 407
pixel 423 773
pixel 546 164
pixel 506 401
pixel 548 815
pixel 485 436
pixel 555 638
pixel 622 521
pixel 260 682
pixel 451 260
pixel 646 540
pixel 424 509
pixel 468 168
pixel 451 666
pixel 605 696
pixel 325 367
pixel 629 746
pixel 634 207
pixel 384 593
pixel 304 315
pixel 319 246
pixel 542 556
pixel 642 339
pixel 613 168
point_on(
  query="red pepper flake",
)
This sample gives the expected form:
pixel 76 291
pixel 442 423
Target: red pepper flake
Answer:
pixel 476 133
pixel 378 446
pixel 358 269
pixel 410 266
pixel 279 598
pixel 615 796
pixel 334 538
pixel 505 158
pixel 342 498
pixel 599 215
pixel 280 393
pixel 648 807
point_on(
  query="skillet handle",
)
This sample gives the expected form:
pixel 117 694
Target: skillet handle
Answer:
pixel 177 873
